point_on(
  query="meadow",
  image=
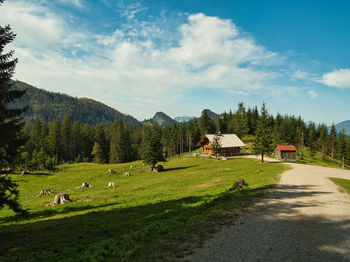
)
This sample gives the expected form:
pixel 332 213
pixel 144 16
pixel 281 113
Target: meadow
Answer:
pixel 148 216
pixel 344 184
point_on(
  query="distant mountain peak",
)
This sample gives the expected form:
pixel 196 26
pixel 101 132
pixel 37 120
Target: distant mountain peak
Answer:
pixel 162 119
pixel 214 116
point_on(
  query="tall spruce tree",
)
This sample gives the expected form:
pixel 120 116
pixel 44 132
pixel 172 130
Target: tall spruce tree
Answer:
pixel 311 140
pixel 333 140
pixel 240 121
pixel 216 144
pixel 263 141
pixel 10 122
pixel 153 148
pixel 98 156
pixel 342 147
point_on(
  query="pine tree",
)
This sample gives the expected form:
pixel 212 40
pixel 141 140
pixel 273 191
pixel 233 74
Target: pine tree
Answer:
pixel 333 140
pixel 10 122
pixel 53 139
pixel 153 148
pixel 206 124
pixel 216 144
pixel 311 140
pixel 263 141
pixel 341 147
pixel 98 154
pixel 240 121
pixel 66 139
pixel 120 145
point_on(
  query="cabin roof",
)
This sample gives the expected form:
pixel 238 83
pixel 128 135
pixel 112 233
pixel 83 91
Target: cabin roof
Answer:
pixel 286 148
pixel 227 140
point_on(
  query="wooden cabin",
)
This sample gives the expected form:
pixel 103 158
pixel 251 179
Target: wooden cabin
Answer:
pixel 286 152
pixel 230 145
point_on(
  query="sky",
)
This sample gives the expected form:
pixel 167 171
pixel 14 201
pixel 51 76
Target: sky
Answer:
pixel 180 57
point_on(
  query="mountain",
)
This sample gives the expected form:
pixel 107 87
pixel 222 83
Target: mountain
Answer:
pixel 161 119
pixel 181 119
pixel 49 105
pixel 211 114
pixel 343 125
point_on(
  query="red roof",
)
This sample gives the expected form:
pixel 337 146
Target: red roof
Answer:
pixel 286 148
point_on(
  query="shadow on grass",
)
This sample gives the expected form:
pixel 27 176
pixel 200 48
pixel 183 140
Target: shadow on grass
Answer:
pixel 141 233
pixel 178 168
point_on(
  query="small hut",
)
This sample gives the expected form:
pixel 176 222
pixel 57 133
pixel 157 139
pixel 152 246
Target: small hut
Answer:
pixel 286 152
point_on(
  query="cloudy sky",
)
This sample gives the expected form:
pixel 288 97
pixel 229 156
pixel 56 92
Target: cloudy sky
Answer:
pixel 180 57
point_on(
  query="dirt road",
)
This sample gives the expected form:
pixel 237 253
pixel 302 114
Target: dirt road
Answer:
pixel 305 219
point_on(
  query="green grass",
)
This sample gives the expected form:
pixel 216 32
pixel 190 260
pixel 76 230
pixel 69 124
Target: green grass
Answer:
pixel 144 215
pixel 344 184
pixel 317 159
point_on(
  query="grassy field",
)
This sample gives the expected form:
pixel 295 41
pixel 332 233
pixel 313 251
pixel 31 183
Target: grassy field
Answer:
pixel 317 159
pixel 344 184
pixel 144 216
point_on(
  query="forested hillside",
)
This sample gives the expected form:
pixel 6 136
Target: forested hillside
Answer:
pixel 48 105
pixel 52 143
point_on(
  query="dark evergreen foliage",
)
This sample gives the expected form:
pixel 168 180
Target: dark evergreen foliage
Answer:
pixel 10 122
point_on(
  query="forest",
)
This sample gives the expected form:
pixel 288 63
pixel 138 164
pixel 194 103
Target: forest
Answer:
pixel 51 143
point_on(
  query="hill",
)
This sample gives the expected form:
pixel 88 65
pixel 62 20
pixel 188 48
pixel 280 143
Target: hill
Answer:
pixel 49 105
pixel 211 114
pixel 343 125
pixel 161 119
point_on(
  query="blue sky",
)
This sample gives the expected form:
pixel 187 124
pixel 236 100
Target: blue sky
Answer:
pixel 180 57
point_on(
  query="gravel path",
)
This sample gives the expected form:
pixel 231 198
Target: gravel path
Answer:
pixel 305 219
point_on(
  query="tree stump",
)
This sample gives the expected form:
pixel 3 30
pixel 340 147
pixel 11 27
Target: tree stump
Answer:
pixel 111 171
pixel 45 192
pixel 159 168
pixel 60 198
pixel 126 174
pixel 239 184
pixel 132 167
pixel 86 184
pixel 111 184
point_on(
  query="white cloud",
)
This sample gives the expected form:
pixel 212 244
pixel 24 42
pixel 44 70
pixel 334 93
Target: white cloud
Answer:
pixel 313 95
pixel 136 68
pixel 338 78
pixel 76 3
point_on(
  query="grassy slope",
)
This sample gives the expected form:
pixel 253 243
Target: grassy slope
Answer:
pixel 344 184
pixel 133 221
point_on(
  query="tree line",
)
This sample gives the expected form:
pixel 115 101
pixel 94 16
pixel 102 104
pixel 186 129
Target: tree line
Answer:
pixel 49 144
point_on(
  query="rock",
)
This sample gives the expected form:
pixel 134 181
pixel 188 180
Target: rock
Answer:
pixel 195 154
pixel 111 171
pixel 45 192
pixel 126 174
pixel 132 166
pixel 159 168
pixel 86 184
pixel 111 184
pixel 224 158
pixel 60 198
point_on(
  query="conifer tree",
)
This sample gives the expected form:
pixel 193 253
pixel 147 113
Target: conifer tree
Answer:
pixel 333 140
pixel 66 139
pixel 240 121
pixel 10 122
pixel 263 141
pixel 206 124
pixel 311 140
pixel 97 154
pixel 53 139
pixel 153 148
pixel 216 144
pixel 341 147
